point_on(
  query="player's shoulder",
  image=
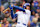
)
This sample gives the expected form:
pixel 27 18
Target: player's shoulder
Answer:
pixel 27 10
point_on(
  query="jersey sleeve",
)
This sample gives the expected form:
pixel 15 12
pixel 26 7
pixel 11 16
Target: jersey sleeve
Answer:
pixel 12 15
pixel 19 8
pixel 28 12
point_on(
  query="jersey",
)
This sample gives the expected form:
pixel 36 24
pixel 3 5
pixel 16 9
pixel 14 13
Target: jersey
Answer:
pixel 23 17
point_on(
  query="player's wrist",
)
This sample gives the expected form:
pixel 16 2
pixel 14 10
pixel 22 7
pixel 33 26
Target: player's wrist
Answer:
pixel 11 8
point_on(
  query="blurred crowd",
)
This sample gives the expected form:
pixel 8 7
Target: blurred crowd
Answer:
pixel 7 21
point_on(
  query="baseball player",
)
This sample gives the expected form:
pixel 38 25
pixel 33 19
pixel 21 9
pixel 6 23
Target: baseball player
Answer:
pixel 23 16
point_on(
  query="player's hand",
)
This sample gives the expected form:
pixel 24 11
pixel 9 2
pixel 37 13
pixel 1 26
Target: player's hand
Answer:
pixel 11 8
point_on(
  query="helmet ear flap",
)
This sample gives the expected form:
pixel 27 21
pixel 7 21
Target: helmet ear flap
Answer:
pixel 24 7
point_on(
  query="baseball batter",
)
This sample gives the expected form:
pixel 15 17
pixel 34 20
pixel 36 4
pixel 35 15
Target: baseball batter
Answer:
pixel 23 16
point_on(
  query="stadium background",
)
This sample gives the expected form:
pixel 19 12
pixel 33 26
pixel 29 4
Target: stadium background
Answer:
pixel 6 20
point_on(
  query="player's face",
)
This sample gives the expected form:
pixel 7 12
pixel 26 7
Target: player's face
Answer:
pixel 27 7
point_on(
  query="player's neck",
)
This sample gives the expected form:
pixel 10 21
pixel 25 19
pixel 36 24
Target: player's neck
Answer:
pixel 28 9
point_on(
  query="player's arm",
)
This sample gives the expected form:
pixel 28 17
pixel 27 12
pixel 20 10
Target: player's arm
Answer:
pixel 19 8
pixel 13 15
pixel 29 23
pixel 6 10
